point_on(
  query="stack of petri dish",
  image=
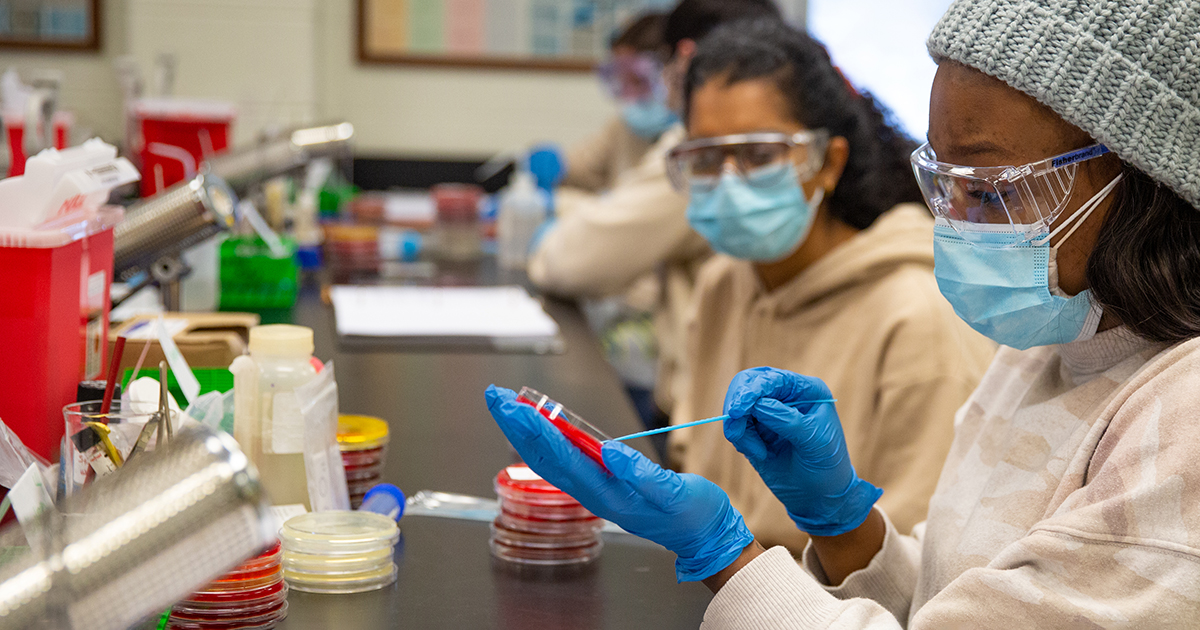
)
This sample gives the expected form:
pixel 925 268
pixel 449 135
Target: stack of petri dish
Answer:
pixel 540 525
pixel 363 441
pixel 339 551
pixel 252 596
pixel 351 249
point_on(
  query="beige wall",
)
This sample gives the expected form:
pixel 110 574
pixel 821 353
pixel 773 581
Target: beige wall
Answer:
pixel 90 82
pixel 448 112
pixel 258 54
pixel 289 61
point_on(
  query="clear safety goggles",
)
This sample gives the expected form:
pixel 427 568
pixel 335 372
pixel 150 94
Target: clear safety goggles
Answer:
pixel 982 202
pixel 760 159
pixel 633 78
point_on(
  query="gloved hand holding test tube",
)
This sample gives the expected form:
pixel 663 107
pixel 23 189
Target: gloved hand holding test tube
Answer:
pixel 589 439
pixel 580 432
pixel 685 513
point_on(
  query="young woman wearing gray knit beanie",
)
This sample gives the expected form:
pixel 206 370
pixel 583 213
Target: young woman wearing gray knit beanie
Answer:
pixel 1063 167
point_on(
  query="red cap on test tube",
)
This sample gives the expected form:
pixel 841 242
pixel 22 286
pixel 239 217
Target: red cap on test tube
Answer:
pixel 580 432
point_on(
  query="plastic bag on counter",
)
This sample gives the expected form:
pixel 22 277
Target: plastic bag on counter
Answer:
pixel 322 458
pixel 16 458
pixel 466 508
pixel 214 410
pixel 448 505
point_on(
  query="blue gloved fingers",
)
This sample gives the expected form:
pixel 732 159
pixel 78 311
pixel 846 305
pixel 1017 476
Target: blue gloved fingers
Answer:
pixel 745 438
pixel 743 383
pixel 516 425
pixel 657 485
pixel 749 386
pixel 816 435
pixel 542 446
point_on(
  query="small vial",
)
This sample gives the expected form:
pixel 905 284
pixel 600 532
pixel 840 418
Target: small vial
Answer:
pixel 385 499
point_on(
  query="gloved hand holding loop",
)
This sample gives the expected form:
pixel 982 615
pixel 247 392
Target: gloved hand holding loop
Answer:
pixel 687 514
pixel 797 449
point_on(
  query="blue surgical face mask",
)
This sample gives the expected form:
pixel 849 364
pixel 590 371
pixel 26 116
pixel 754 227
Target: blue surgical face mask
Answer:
pixel 763 223
pixel 648 118
pixel 1008 291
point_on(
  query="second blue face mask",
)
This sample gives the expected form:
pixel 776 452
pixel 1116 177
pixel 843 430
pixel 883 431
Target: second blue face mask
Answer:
pixel 761 223
pixel 649 118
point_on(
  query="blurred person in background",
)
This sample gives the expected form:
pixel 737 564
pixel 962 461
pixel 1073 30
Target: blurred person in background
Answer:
pixel 634 241
pixel 633 77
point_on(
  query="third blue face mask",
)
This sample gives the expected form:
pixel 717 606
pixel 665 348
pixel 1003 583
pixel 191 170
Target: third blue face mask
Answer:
pixel 763 223
pixel 1007 289
pixel 648 118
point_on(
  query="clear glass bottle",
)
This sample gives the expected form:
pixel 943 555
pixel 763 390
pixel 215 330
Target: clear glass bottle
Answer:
pixel 267 419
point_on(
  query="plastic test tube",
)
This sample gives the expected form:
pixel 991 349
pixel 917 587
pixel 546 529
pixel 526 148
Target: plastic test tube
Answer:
pixel 580 432
pixel 385 499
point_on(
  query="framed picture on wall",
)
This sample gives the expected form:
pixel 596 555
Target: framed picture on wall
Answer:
pixel 570 35
pixel 50 24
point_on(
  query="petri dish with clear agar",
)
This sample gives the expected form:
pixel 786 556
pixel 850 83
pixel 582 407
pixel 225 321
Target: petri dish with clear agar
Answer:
pixel 339 551
pixel 338 532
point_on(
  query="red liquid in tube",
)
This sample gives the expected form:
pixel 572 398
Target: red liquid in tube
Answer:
pixel 566 422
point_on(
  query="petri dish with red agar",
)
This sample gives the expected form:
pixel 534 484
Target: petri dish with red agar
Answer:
pixel 363 441
pixel 580 432
pixel 540 525
pixel 252 596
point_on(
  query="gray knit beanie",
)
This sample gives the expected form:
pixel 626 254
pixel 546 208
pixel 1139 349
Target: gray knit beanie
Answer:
pixel 1126 72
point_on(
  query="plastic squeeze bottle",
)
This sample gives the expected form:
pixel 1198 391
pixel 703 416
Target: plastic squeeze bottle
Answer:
pixel 522 210
pixel 267 422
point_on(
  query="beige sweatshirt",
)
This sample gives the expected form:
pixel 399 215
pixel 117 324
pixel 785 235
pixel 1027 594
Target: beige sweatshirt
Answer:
pixel 868 319
pixel 601 245
pixel 594 164
pixel 1070 499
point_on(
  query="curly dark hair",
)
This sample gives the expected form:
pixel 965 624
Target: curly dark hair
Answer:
pixel 1145 266
pixel 877 175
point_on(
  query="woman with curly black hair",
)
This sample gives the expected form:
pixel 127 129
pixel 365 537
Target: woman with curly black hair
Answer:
pixel 804 185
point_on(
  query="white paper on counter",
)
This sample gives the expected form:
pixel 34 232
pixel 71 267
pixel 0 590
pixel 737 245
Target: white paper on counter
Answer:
pixel 496 312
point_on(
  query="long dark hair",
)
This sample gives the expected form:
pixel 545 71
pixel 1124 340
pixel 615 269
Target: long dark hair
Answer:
pixel 644 34
pixel 1145 266
pixel 693 19
pixel 877 174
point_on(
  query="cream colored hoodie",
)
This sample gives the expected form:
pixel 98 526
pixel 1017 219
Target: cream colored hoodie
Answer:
pixel 595 164
pixel 869 320
pixel 602 245
pixel 1070 499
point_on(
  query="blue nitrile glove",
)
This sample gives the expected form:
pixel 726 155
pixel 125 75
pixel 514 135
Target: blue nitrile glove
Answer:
pixel 800 453
pixel 687 514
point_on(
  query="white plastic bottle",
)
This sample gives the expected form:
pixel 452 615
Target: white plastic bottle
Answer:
pixel 267 420
pixel 522 211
